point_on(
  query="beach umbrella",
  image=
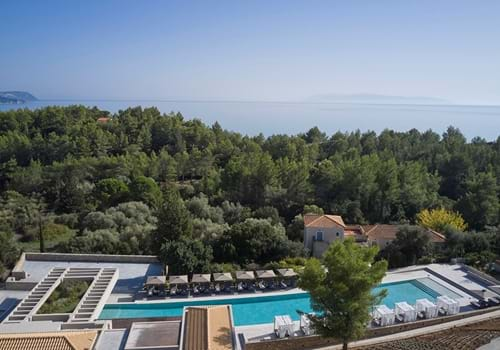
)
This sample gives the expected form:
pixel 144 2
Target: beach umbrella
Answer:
pixel 222 277
pixel 181 279
pixel 245 275
pixel 262 274
pixel 201 278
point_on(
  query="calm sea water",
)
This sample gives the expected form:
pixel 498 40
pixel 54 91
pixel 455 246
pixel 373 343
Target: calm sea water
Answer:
pixel 291 118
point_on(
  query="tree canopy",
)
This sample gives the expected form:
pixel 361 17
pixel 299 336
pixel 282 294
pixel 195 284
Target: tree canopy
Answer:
pixel 439 219
pixel 203 182
pixel 342 289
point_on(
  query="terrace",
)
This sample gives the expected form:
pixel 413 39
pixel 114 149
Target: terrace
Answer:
pixel 255 298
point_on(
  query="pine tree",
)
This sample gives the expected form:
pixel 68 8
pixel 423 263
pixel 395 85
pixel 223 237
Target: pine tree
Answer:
pixel 173 219
pixel 341 290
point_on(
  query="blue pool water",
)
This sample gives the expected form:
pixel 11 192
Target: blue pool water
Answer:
pixel 262 309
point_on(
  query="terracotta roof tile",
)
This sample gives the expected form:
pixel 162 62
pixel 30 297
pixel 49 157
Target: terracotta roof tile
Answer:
pixel 389 232
pixel 323 221
pixel 308 218
pixel 50 341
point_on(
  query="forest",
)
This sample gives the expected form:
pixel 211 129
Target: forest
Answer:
pixel 78 179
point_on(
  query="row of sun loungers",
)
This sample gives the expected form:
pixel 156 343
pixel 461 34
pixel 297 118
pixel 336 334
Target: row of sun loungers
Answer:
pixel 218 288
pixel 221 282
pixel 486 302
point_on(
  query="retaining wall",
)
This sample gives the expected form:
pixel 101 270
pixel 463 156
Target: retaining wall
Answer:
pixel 12 284
pixel 137 259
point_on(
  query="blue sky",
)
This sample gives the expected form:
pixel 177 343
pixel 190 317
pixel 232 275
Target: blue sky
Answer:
pixel 251 50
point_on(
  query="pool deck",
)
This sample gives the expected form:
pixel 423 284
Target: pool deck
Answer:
pixel 452 272
pixel 224 296
pixel 418 331
pixel 418 272
pixel 455 273
pixel 259 332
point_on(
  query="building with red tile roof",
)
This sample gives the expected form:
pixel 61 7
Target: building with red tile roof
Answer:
pixel 321 230
pixel 103 119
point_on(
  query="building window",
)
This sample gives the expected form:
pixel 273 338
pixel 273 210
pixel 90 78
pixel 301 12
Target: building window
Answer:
pixel 319 236
pixel 338 234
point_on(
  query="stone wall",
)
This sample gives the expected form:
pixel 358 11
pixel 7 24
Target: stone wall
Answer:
pixel 12 284
pixel 18 272
pixel 137 259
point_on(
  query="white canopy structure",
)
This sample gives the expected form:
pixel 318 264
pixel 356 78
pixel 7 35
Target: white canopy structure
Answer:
pixel 283 326
pixel 426 308
pixel 383 315
pixel 305 324
pixel 405 312
pixel 448 305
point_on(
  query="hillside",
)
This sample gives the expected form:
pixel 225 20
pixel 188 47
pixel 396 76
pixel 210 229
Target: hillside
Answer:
pixel 142 182
pixel 16 97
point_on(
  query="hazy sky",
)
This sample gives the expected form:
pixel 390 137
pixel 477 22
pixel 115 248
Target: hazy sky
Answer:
pixel 251 50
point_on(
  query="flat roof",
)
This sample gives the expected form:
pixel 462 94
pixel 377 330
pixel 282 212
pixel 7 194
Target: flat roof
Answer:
pixel 111 339
pixel 131 276
pixel 153 334
pixel 9 299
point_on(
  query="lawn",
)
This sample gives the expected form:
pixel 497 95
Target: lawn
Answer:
pixel 34 246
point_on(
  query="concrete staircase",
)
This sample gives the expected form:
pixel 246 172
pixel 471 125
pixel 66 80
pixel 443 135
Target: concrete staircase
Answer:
pixel 93 301
pixel 37 296
pixel 89 307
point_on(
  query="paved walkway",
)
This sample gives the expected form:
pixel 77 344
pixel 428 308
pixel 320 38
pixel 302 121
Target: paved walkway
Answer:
pixel 420 331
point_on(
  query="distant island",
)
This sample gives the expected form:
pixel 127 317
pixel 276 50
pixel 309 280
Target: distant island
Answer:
pixel 16 97
pixel 376 98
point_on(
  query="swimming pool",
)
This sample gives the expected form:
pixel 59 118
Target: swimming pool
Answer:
pixel 262 309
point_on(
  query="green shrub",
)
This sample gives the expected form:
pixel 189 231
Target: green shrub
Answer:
pixel 65 297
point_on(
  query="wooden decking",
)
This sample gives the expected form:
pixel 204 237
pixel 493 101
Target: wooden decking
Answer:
pixel 208 328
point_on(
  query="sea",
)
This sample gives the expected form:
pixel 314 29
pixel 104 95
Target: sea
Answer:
pixel 268 118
